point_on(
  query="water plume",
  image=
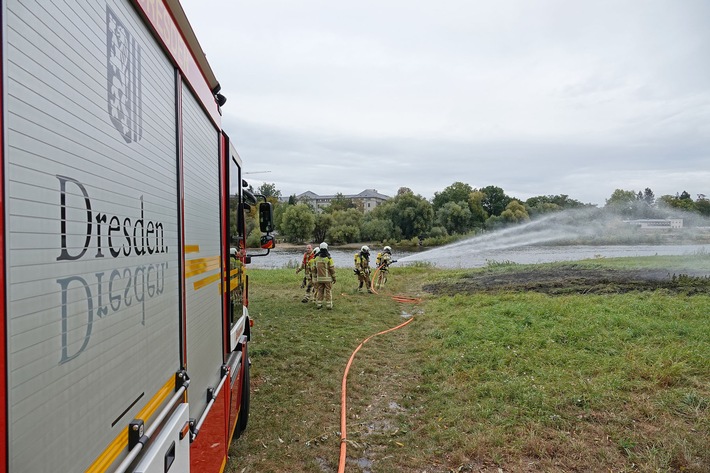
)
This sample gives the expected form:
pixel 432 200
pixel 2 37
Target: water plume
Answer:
pixel 585 230
pixel 563 226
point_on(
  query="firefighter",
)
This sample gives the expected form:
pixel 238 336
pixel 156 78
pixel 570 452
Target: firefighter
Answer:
pixel 312 271
pixel 384 260
pixel 305 260
pixel 362 268
pixel 305 267
pixel 324 274
pixel 308 281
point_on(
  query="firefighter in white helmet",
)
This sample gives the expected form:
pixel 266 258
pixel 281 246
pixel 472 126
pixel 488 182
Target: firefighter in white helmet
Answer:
pixel 324 276
pixel 362 268
pixel 306 268
pixel 384 260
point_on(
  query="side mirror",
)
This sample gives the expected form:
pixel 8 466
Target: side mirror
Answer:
pixel 266 217
pixel 267 242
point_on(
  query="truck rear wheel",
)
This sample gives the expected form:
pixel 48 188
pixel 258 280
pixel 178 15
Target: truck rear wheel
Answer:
pixel 243 418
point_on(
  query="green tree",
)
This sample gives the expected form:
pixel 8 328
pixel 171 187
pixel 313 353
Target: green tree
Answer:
pixel 269 190
pixel 622 202
pixel 376 229
pixel 455 217
pixel 551 203
pixel 340 233
pixel 279 210
pixel 515 213
pixel 298 223
pixel 495 200
pixel 350 216
pixel 323 222
pixel 475 205
pixel 456 192
pixel 648 196
pixel 412 214
pixel 702 205
pixel 540 207
pixel 346 226
pixel 681 201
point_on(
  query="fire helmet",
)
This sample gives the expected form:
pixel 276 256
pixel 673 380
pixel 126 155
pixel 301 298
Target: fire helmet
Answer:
pixel 324 246
pixel 365 249
pixel 387 249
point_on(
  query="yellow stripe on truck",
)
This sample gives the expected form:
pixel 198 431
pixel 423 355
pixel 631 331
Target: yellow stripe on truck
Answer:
pixel 199 284
pixel 201 265
pixel 120 443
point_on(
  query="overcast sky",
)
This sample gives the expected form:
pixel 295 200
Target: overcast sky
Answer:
pixel 537 97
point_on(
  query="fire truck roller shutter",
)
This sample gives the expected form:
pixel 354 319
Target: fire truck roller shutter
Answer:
pixel 202 232
pixel 91 209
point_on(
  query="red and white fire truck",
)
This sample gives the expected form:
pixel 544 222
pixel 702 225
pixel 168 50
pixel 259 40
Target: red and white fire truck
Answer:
pixel 125 323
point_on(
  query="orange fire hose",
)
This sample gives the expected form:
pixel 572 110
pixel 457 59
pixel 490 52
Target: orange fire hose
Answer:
pixel 374 277
pixel 343 397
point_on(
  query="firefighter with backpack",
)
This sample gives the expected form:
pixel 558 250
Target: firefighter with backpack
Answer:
pixel 384 260
pixel 306 267
pixel 362 268
pixel 324 276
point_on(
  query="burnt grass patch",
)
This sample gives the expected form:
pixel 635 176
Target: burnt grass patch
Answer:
pixel 562 280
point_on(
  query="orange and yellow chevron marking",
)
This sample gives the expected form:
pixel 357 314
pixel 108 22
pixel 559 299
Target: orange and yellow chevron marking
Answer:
pixel 233 280
pixel 120 443
pixel 233 284
pixel 200 283
pixel 197 266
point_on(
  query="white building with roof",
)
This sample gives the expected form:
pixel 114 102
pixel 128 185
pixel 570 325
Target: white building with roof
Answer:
pixel 657 223
pixel 367 200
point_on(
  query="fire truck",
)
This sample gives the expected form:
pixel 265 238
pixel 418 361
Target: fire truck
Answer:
pixel 123 244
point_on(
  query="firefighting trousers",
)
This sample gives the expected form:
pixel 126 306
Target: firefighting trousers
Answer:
pixel 324 293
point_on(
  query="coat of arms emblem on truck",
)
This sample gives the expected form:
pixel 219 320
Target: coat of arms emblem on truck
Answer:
pixel 123 72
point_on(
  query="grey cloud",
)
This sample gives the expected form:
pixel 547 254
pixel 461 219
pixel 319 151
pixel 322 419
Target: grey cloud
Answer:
pixel 544 97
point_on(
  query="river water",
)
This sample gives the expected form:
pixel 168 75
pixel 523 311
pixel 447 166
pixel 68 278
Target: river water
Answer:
pixel 471 254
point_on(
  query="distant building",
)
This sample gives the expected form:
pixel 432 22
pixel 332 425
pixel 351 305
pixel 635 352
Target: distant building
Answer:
pixel 367 199
pixel 657 223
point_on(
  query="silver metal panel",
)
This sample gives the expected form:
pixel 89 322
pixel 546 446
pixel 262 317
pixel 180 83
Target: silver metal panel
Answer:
pixel 168 453
pixel 202 229
pixel 89 122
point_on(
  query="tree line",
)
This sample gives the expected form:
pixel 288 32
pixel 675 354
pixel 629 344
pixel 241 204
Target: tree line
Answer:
pixel 459 209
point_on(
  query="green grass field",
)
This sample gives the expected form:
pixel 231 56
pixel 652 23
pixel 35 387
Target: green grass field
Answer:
pixel 498 381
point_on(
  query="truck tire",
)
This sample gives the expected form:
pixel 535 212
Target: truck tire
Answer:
pixel 243 418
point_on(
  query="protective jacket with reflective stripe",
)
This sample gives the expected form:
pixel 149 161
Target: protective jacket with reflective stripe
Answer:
pixel 324 269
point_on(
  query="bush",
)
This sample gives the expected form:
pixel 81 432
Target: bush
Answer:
pixel 254 239
pixel 344 234
pixel 437 232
